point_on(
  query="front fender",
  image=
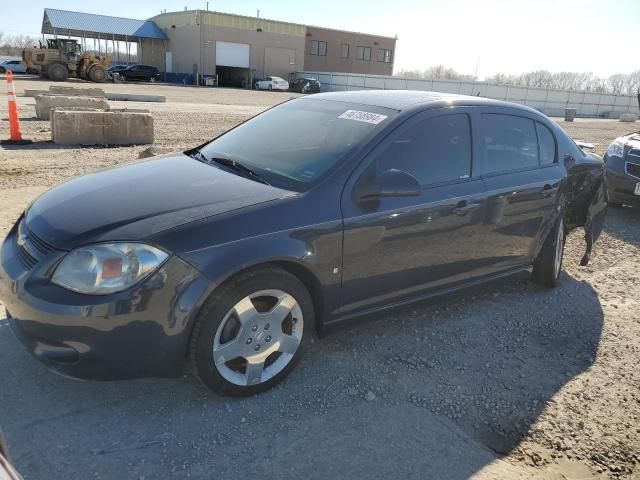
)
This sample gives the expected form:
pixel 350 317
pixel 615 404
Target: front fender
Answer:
pixel 316 249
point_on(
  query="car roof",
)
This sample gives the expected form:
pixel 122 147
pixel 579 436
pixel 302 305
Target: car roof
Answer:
pixel 404 99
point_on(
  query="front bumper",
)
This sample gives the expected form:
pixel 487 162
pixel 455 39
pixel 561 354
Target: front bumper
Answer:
pixel 620 187
pixel 143 331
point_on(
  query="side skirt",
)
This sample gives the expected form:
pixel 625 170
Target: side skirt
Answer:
pixel 436 293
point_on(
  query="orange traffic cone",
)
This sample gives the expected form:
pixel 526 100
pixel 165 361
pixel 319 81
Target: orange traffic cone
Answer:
pixel 15 137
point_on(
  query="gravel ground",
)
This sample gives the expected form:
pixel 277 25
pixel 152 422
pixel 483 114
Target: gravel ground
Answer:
pixel 504 381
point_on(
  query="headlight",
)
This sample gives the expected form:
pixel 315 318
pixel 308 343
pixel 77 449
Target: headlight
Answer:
pixel 616 149
pixel 107 267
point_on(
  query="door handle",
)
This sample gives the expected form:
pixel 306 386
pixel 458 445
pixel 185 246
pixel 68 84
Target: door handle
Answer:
pixel 464 206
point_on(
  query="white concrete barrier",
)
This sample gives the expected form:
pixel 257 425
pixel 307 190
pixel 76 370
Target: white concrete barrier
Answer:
pixel 44 104
pixel 35 93
pixel 628 117
pixel 76 92
pixel 101 128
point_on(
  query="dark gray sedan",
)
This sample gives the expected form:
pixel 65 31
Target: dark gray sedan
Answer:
pixel 320 210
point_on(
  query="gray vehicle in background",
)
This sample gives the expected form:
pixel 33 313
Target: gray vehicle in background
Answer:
pixel 623 170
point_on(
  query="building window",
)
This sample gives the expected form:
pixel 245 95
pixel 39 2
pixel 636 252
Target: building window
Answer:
pixel 344 51
pixel 384 55
pixel 364 53
pixel 318 48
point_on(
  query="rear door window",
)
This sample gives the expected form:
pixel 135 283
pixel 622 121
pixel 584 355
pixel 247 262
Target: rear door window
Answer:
pixel 435 150
pixel 508 142
pixel 547 144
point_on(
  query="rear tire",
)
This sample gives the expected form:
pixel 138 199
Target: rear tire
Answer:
pixel 97 73
pixel 548 265
pixel 2 70
pixel 263 318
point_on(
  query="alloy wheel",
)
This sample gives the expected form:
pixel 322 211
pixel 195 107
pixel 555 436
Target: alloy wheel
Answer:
pixel 258 337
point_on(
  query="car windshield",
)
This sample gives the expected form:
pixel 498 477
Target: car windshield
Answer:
pixel 294 144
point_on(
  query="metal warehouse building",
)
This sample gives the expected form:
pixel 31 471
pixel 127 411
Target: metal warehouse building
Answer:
pixel 234 47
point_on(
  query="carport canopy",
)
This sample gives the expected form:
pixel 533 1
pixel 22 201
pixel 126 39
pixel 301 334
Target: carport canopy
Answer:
pixel 89 25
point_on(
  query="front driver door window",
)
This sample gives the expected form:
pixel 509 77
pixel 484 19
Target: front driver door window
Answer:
pixel 400 247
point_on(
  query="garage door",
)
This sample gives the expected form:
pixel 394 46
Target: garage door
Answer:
pixel 232 54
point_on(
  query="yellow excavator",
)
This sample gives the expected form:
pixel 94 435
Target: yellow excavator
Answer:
pixel 63 58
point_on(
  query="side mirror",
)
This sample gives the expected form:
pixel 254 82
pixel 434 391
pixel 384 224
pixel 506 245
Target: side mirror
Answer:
pixel 390 183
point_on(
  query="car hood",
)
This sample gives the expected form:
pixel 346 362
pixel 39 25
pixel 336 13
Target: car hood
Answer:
pixel 632 140
pixel 140 199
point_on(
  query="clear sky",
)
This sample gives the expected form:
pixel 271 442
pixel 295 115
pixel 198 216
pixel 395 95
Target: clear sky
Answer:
pixel 600 36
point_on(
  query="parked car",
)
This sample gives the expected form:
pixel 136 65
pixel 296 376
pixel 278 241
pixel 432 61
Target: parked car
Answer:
pixel 272 83
pixel 16 66
pixel 623 170
pixel 305 85
pixel 320 210
pixel 117 68
pixel 7 471
pixel 145 73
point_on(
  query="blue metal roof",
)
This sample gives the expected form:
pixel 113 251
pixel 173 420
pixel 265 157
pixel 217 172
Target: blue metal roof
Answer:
pixel 77 24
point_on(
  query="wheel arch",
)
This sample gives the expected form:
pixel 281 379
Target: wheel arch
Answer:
pixel 291 266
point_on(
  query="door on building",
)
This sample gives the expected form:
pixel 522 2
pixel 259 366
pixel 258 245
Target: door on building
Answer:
pixel 232 64
pixel 168 62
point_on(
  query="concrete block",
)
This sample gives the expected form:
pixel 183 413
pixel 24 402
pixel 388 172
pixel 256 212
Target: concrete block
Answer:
pixel 44 104
pixel 628 117
pixel 76 92
pixel 101 128
pixel 124 97
pixel 35 93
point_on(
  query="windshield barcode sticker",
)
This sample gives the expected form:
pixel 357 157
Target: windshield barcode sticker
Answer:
pixel 359 116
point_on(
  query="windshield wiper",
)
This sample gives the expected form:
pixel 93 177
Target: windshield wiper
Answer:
pixel 232 164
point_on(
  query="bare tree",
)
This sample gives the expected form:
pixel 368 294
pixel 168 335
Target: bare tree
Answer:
pixel 13 45
pixel 616 83
pixel 619 83
pixel 438 72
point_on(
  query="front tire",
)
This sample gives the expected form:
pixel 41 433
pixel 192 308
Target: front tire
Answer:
pixel 252 331
pixel 548 265
pixel 97 73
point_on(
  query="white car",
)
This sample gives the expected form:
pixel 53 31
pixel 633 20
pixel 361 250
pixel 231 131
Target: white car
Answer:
pixel 16 66
pixel 272 83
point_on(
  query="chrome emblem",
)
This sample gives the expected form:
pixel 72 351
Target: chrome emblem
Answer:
pixel 22 239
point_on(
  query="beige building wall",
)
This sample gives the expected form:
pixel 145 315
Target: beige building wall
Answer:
pixel 276 48
pixel 333 60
